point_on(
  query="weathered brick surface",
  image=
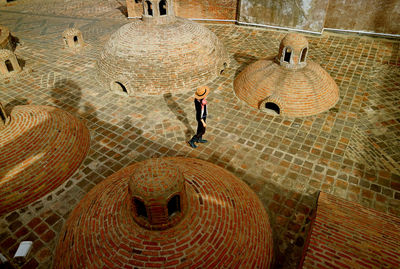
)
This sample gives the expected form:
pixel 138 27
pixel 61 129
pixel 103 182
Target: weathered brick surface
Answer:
pixel 225 225
pixel 298 88
pixel 149 58
pixel 40 148
pixel 348 235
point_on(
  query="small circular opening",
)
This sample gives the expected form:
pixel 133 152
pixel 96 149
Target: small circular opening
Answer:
pixel 272 108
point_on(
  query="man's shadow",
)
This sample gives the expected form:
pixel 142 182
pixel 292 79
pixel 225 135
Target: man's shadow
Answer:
pixel 179 113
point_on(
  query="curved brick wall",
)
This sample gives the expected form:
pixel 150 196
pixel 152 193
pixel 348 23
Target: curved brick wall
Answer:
pixel 40 149
pixel 225 226
pixel 153 59
pixel 301 92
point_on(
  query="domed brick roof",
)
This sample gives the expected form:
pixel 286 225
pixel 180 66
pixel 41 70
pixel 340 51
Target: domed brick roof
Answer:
pixel 40 148
pixel 288 85
pixel 160 54
pixel 224 225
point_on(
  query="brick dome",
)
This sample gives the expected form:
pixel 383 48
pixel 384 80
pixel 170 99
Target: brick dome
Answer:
pixel 160 54
pixel 40 148
pixel 288 84
pixel 224 226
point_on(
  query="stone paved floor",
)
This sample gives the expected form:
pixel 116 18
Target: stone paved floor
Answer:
pixel 351 151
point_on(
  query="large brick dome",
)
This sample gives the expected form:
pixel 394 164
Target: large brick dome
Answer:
pixel 40 148
pixel 287 84
pixel 222 225
pixel 160 54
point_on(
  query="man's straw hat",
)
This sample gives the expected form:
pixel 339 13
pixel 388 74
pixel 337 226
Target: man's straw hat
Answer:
pixel 202 92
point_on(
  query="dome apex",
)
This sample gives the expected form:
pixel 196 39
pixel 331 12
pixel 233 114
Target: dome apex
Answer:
pixel 293 51
pixel 158 195
pixel 295 41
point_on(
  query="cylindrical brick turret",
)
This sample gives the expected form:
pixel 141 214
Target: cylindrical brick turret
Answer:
pixel 287 84
pixel 157 192
pixel 293 51
pixel 73 38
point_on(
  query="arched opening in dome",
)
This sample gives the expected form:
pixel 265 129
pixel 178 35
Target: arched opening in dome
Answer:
pixel 174 205
pixel 9 66
pixel 75 39
pixel 118 87
pixel 140 208
pixel 163 7
pixel 272 107
pixel 223 69
pixel 287 55
pixel 303 55
pixel 149 8
pixel 65 41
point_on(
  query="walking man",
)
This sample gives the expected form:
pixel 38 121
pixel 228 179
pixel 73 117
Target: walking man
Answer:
pixel 200 103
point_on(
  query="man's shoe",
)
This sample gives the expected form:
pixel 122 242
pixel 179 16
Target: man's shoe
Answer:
pixel 191 143
pixel 201 140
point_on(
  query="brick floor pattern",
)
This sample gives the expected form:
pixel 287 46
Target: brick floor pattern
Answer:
pixel 225 226
pixel 40 149
pixel 347 235
pixel 286 161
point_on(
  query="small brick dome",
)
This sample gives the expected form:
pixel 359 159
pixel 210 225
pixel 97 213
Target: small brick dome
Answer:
pixel 288 85
pixel 160 54
pixel 225 224
pixel 40 149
